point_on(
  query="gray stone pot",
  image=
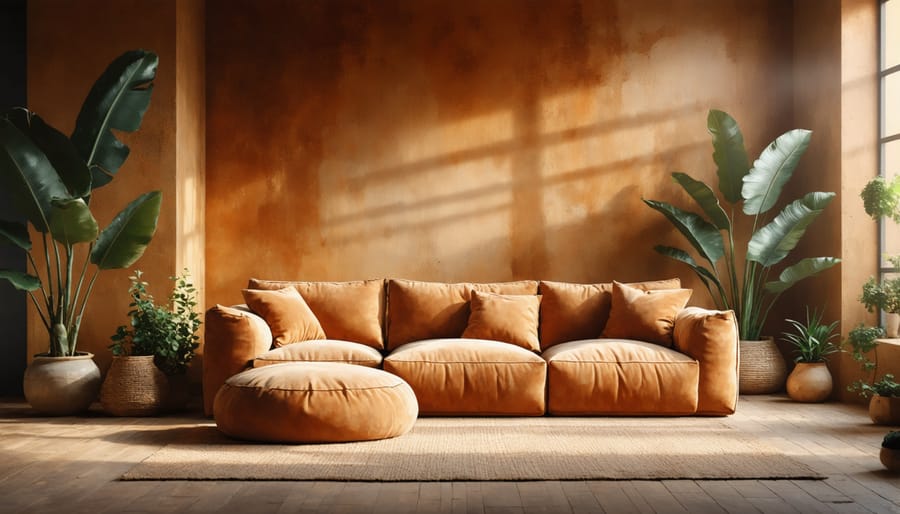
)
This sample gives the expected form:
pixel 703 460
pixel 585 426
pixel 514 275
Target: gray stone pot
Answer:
pixel 62 386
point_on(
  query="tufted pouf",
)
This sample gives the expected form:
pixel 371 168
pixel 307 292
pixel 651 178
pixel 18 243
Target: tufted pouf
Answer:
pixel 314 402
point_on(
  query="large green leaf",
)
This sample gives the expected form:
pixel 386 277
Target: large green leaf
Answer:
pixel 682 256
pixel 803 269
pixel 118 100
pixel 59 151
pixel 71 222
pixel 705 198
pixel 20 280
pixel 772 243
pixel 703 236
pixel 16 234
pixel 27 175
pixel 125 239
pixel 776 164
pixel 728 153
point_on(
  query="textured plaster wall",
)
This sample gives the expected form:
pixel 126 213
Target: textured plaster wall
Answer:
pixel 472 140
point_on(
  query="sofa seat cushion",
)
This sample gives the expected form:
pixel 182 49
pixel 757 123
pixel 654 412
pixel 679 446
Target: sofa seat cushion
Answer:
pixel 471 376
pixel 314 402
pixel 325 350
pixel 620 376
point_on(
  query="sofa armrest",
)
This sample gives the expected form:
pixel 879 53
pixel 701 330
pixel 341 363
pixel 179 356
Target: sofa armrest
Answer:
pixel 711 337
pixel 234 337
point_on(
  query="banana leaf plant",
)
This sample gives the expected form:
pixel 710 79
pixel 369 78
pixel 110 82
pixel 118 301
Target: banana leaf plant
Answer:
pixel 736 278
pixel 49 180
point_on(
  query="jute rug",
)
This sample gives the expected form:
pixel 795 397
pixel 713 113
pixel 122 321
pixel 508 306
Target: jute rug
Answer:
pixel 488 449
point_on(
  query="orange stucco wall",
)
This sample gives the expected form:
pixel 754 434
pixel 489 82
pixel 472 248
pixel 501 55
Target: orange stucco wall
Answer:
pixel 471 140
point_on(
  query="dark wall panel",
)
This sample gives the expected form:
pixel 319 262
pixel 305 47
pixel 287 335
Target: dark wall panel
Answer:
pixel 12 302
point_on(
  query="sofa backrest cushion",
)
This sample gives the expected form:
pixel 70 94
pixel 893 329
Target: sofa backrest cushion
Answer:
pixel 508 318
pixel 434 310
pixel 286 313
pixel 644 315
pixel 571 312
pixel 347 311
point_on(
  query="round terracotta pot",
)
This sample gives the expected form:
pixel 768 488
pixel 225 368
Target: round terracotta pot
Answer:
pixel 885 410
pixel 809 382
pixel 62 386
pixel 891 459
pixel 762 367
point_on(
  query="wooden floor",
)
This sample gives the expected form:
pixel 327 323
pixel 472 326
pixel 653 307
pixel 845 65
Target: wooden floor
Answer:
pixel 71 465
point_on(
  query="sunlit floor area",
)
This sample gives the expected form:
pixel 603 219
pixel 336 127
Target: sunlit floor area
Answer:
pixel 73 464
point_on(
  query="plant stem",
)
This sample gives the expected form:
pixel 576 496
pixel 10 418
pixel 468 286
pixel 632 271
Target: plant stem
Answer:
pixel 84 266
pixel 74 337
pixel 38 309
pixel 36 272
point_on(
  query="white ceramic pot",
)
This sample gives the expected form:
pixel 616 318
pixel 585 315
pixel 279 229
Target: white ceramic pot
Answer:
pixel 809 382
pixel 62 386
pixel 891 324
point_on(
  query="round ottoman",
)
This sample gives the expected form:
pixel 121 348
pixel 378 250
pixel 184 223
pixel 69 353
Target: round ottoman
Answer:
pixel 315 402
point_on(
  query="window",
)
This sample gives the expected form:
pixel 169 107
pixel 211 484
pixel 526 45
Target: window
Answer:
pixel 889 130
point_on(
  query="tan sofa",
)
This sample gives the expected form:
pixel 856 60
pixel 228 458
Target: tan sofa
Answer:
pixel 523 348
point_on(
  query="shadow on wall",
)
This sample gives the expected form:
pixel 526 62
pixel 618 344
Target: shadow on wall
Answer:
pixel 464 141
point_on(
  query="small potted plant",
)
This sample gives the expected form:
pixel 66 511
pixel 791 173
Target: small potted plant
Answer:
pixel 810 381
pixel 890 451
pixel 884 405
pixel 151 355
pixel 881 198
pixel 885 296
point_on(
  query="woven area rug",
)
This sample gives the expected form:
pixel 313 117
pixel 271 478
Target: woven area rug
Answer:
pixel 488 449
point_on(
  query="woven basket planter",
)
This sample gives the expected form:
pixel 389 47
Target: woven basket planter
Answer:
pixel 762 369
pixel 134 386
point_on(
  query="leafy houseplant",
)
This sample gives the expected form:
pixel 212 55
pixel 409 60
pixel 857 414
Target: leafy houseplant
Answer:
pixel 810 381
pixel 167 332
pixel 882 198
pixel 50 179
pixel 812 340
pixel 742 283
pixel 890 450
pixel 861 340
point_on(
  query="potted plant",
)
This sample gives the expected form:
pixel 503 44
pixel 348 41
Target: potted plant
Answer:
pixel 884 394
pixel 739 278
pixel 152 353
pixel 810 381
pixel 884 295
pixel 49 179
pixel 881 199
pixel 890 451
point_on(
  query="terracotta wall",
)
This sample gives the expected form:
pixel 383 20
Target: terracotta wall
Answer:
pixel 472 140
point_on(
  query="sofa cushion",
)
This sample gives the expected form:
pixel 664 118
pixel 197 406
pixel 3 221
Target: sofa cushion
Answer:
pixel 644 315
pixel 286 313
pixel 432 310
pixel 506 318
pixel 571 312
pixel 611 376
pixel 325 350
pixel 348 311
pixel 463 376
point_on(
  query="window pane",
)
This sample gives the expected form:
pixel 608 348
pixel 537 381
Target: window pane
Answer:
pixel 891 106
pixel 891 50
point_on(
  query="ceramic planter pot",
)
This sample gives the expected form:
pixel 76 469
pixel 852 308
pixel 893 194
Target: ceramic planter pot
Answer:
pixel 62 386
pixel 809 382
pixel 762 367
pixel 891 324
pixel 891 459
pixel 884 410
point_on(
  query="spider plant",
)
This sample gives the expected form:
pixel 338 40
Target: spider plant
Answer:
pixel 812 340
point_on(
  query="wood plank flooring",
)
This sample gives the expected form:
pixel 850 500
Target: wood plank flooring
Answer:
pixel 71 465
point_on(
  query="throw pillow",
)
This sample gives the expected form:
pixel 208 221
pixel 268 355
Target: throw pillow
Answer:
pixel 286 313
pixel 644 315
pixel 507 318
